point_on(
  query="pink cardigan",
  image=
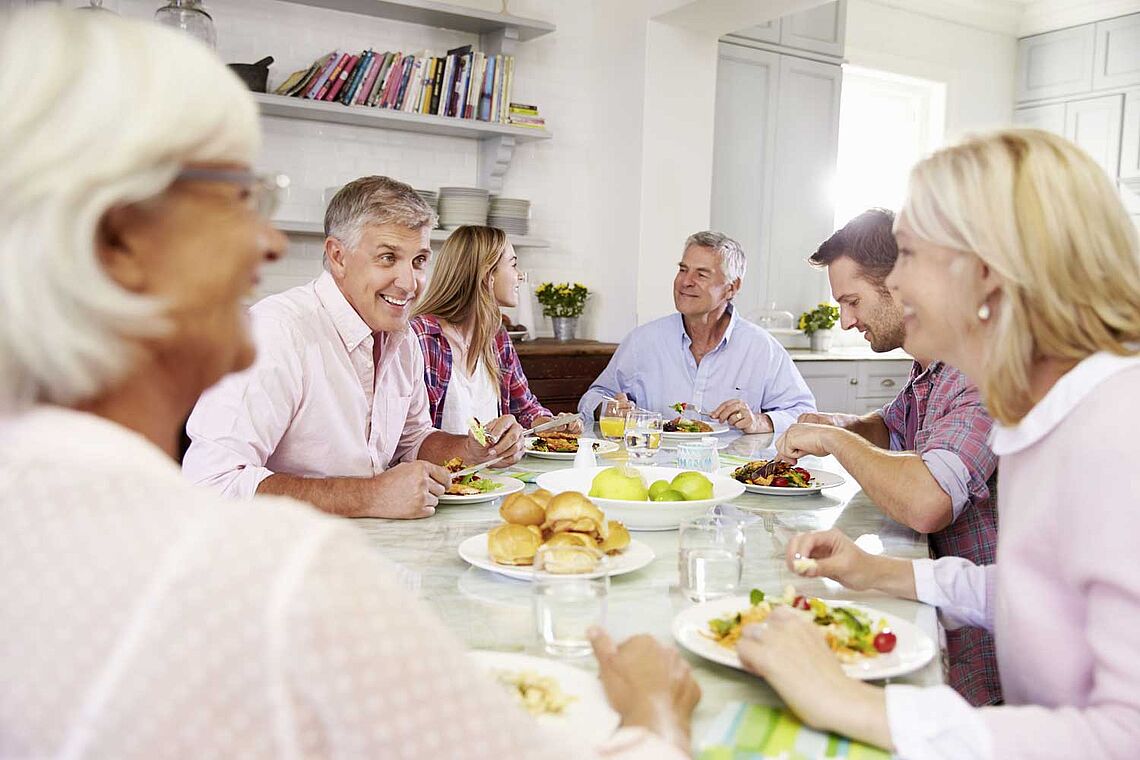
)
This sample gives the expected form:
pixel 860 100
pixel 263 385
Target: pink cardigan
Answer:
pixel 1063 599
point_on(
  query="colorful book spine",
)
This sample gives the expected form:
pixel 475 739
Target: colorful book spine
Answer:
pixel 401 91
pixel 369 80
pixel 416 89
pixel 429 77
pixel 385 93
pixel 510 80
pixel 496 88
pixel 445 88
pixel 341 78
pixel 322 85
pixel 488 84
pixel 357 77
pixel 441 64
pixel 381 78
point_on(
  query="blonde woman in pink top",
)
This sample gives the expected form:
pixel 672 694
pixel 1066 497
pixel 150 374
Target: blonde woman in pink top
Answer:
pixel 1019 265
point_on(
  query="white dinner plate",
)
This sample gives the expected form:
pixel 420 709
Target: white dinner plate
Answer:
pixel 821 479
pixel 717 429
pixel 509 486
pixel 587 721
pixel 603 447
pixel 642 515
pixel 913 648
pixel 635 556
pixel 517 335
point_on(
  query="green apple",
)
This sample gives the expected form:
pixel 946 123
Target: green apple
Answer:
pixel 669 495
pixel 657 488
pixel 619 483
pixel 694 486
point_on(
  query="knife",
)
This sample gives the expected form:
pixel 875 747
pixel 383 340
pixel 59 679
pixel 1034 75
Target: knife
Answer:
pixel 558 421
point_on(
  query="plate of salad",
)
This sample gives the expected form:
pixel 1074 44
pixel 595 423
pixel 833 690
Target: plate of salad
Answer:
pixel 870 644
pixel 786 480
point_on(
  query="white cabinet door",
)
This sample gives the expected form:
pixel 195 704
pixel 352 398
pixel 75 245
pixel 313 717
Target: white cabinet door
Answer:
pixel 820 29
pixel 766 32
pixel 744 144
pixel 807 136
pixel 882 379
pixel 1117 61
pixel 832 384
pixel 1130 136
pixel 1050 118
pixel 1095 124
pixel 1055 64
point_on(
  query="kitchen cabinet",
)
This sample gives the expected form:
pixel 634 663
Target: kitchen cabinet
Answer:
pixel 777 126
pixel 560 372
pixel 819 30
pixel 854 386
pixel 1130 136
pixel 1056 64
pixel 1095 124
pixel 1050 118
pixel 1117 57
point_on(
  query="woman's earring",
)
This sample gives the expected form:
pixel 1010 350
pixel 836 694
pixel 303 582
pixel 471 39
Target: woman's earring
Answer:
pixel 984 312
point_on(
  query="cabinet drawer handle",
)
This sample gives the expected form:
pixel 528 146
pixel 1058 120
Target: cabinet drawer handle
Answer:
pixel 854 381
pixel 888 382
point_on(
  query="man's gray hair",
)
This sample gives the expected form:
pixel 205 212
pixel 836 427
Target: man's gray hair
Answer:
pixel 375 200
pixel 732 261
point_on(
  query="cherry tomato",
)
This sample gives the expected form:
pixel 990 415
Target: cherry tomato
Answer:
pixel 803 472
pixel 885 641
pixel 779 481
pixel 802 603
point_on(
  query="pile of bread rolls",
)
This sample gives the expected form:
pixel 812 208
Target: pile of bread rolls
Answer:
pixel 543 519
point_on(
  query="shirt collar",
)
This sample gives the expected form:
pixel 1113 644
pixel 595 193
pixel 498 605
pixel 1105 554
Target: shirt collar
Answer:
pixel 730 311
pixel 351 328
pixel 1065 394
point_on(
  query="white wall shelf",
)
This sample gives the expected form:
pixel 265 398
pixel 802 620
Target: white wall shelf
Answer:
pixel 440 15
pixel 386 118
pixel 317 229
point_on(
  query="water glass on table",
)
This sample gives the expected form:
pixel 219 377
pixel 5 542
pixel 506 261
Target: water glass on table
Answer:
pixel 612 420
pixel 711 557
pixel 643 435
pixel 567 604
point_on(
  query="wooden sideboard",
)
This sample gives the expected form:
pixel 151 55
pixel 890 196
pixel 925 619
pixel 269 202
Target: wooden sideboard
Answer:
pixel 560 372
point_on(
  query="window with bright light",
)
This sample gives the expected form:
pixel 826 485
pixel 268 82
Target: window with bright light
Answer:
pixel 887 122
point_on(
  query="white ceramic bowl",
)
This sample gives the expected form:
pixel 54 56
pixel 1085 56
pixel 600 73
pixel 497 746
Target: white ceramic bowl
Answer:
pixel 643 515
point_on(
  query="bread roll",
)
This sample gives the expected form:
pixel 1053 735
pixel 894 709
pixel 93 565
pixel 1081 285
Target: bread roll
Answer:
pixel 572 511
pixel 513 544
pixel 521 509
pixel 572 539
pixel 618 538
pixel 569 556
pixel 542 496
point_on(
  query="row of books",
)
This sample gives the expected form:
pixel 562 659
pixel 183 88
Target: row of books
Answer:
pixel 465 83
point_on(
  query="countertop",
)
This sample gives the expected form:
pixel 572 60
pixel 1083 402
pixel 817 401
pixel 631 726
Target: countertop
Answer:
pixel 847 354
pixel 490 611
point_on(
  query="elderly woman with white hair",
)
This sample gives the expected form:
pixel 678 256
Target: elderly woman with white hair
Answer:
pixel 141 616
pixel 706 354
pixel 1019 265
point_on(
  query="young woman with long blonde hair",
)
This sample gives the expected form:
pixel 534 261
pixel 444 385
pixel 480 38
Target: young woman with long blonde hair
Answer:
pixel 1019 265
pixel 471 368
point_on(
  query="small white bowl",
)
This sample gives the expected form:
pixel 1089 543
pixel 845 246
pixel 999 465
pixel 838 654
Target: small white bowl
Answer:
pixel 643 515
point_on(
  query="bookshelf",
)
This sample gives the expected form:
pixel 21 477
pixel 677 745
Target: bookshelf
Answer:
pixel 441 15
pixel 386 118
pixel 317 229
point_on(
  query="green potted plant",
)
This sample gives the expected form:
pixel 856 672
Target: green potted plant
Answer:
pixel 817 323
pixel 563 302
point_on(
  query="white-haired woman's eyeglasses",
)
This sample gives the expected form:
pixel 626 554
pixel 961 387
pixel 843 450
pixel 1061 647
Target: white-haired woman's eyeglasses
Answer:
pixel 265 190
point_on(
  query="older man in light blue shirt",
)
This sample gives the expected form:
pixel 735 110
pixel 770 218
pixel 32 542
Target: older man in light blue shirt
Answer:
pixel 706 354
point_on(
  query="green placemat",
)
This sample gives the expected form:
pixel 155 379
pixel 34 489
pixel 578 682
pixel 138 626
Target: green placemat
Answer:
pixel 751 732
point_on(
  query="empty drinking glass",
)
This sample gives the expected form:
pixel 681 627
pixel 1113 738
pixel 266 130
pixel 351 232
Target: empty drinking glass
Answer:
pixel 643 435
pixel 711 558
pixel 570 587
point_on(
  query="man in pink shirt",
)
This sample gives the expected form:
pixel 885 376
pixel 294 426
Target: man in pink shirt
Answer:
pixel 334 411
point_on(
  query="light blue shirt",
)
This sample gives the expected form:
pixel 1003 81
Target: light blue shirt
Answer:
pixel 656 369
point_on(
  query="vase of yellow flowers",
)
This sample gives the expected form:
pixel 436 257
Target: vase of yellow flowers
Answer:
pixel 563 302
pixel 817 323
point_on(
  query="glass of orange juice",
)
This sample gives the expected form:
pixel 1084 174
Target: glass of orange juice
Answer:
pixel 612 420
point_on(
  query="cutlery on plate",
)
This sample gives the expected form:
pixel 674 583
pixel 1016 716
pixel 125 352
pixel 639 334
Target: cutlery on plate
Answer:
pixel 558 421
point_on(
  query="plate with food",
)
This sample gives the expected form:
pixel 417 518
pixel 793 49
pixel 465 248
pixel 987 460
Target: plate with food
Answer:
pixel 646 498
pixel 475 488
pixel 559 696
pixel 542 519
pixel 776 478
pixel 681 428
pixel 870 644
pixel 558 444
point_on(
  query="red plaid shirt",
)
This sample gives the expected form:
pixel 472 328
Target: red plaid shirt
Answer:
pixel 939 409
pixel 514 391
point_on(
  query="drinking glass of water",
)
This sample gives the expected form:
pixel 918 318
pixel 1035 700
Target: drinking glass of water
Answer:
pixel 711 557
pixel 569 598
pixel 643 435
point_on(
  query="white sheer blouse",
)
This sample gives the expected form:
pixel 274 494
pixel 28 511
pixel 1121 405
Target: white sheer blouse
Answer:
pixel 142 617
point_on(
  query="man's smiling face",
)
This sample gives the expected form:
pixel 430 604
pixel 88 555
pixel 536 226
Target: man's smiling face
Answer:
pixel 383 274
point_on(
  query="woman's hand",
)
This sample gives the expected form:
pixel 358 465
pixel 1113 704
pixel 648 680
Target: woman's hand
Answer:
pixel 831 554
pixel 649 685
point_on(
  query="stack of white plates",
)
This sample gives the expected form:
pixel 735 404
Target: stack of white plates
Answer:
pixel 431 198
pixel 512 215
pixel 463 205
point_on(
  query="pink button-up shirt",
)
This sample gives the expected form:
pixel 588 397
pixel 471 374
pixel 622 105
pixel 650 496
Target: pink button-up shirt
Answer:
pixel 314 404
